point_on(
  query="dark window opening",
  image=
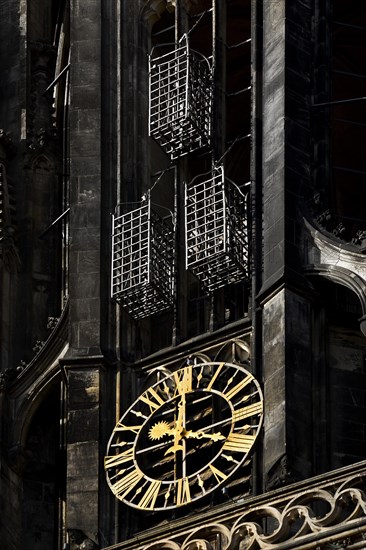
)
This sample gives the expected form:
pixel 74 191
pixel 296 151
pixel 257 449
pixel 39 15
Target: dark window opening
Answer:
pixel 340 124
pixel 344 377
pixel 43 477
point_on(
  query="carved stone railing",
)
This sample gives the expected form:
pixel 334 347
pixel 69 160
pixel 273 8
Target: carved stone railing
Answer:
pixel 328 511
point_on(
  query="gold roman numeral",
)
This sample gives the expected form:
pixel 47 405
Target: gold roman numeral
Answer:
pixel 149 498
pixel 122 428
pixel 229 394
pixel 153 399
pixel 183 380
pixel 239 443
pixel 219 475
pixel 249 410
pixel 213 379
pixel 123 486
pixel 183 491
pixel 116 460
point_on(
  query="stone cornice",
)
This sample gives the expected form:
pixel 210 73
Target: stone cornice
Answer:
pixel 199 343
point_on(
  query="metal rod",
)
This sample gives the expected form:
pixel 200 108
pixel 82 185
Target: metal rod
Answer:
pixel 353 122
pixel 231 47
pixel 57 78
pixel 202 13
pixel 339 101
pixel 348 73
pixel 159 172
pixel 54 223
pixel 231 145
pixel 351 170
pixel 239 91
pixel 161 175
pixel 164 30
pixel 349 25
pixel 198 21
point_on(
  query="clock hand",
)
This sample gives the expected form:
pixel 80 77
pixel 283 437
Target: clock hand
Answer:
pixel 179 428
pixel 160 429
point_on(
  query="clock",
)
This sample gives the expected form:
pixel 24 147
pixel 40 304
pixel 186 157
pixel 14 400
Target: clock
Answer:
pixel 185 436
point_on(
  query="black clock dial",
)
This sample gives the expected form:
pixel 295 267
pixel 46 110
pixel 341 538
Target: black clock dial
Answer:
pixel 184 436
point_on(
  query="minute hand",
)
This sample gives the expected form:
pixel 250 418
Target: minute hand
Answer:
pixel 200 435
pixel 178 430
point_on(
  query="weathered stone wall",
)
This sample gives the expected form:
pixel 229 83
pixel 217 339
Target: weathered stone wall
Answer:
pixel 85 175
pixel 83 435
pixel 10 507
pixel 286 361
pixel 347 376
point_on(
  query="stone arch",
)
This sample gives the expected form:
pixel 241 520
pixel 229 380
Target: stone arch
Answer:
pixel 338 363
pixel 347 278
pixel 36 457
pixel 152 10
pixel 28 404
pixel 236 350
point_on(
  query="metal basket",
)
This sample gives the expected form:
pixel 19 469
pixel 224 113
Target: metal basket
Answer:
pixel 216 230
pixel 142 261
pixel 180 99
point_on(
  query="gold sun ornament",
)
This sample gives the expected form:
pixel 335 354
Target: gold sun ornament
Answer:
pixel 159 430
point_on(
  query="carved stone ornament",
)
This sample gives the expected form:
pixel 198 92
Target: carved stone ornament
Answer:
pixel 52 323
pixel 40 127
pixel 6 377
pixel 153 10
pixel 6 145
pixel 80 541
pixel 279 475
pixel 335 262
pixel 330 514
pixel 345 230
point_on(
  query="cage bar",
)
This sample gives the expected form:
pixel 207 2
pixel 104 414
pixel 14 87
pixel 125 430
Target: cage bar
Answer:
pixel 142 260
pixel 216 230
pixel 180 99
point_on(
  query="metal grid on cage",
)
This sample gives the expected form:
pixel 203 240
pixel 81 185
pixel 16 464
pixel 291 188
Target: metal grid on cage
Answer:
pixel 180 99
pixel 142 261
pixel 216 230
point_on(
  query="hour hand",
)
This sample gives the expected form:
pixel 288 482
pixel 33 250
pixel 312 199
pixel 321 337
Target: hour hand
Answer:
pixel 200 435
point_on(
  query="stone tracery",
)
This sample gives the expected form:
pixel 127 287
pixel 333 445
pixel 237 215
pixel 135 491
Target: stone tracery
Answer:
pixel 302 520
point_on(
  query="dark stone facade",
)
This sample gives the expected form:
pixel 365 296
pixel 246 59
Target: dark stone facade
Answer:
pixel 74 144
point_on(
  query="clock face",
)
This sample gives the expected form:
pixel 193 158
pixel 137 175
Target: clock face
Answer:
pixel 184 436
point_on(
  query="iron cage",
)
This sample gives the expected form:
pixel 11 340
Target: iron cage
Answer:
pixel 142 260
pixel 216 230
pixel 180 99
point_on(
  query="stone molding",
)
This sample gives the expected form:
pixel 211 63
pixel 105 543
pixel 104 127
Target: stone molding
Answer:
pixel 331 223
pixel 336 262
pixel 25 385
pixel 153 9
pixel 310 514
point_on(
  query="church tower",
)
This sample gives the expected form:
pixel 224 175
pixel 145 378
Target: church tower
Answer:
pixel 182 274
